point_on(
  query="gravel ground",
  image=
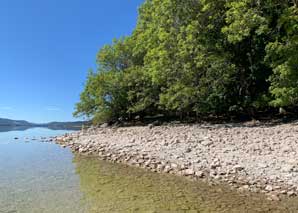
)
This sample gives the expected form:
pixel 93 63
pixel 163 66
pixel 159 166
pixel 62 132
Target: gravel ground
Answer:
pixel 259 158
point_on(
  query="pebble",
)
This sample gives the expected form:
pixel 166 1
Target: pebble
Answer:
pixel 188 150
pixel 199 174
pixel 273 197
pixel 188 172
pixel 291 193
pixel 238 168
pixel 269 188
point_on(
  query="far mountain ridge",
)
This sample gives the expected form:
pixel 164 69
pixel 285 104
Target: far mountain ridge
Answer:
pixel 14 123
pixel 9 122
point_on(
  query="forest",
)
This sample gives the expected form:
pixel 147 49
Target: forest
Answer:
pixel 198 58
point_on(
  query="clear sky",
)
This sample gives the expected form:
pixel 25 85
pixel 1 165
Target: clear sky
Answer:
pixel 46 49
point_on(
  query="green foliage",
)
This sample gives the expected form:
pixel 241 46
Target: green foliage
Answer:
pixel 244 18
pixel 198 57
pixel 87 105
pixel 283 57
pixel 142 93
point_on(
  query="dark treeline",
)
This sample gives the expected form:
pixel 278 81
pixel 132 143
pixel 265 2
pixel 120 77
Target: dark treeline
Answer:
pixel 198 58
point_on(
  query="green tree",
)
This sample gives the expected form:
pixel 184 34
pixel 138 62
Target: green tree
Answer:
pixel 283 57
pixel 198 57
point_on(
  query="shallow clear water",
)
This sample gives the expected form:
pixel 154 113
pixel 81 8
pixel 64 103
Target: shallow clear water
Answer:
pixel 42 177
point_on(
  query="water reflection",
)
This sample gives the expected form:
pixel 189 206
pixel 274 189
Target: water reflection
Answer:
pixel 13 128
pixel 24 128
pixel 115 188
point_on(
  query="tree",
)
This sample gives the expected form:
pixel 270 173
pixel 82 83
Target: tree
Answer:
pixel 198 57
pixel 283 57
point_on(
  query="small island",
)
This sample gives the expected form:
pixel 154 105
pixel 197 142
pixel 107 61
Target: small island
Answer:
pixel 199 61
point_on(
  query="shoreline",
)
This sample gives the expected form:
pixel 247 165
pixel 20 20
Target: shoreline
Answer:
pixel 261 159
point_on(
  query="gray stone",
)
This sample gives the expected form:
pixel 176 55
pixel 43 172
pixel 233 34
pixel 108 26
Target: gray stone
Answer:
pixel 188 150
pixel 238 168
pixel 291 193
pixel 104 125
pixel 188 172
pixel 269 188
pixel 199 174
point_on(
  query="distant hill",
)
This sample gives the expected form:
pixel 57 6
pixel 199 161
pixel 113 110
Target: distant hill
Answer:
pixel 52 125
pixel 8 122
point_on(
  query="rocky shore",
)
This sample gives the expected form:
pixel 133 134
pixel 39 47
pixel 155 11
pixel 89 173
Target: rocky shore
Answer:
pixel 257 158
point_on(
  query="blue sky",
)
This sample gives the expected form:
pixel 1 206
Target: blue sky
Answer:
pixel 46 49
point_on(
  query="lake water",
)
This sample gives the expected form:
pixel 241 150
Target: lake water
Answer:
pixel 42 177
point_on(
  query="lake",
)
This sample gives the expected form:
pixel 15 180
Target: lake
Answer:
pixel 43 177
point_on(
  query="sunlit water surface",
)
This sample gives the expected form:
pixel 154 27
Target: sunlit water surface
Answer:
pixel 43 177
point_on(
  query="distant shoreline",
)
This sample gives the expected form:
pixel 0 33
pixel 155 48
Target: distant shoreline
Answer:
pixel 5 128
pixel 8 123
